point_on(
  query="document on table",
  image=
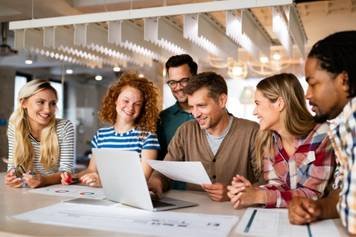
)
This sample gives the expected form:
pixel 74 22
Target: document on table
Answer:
pixel 75 191
pixel 274 222
pixel 132 220
pixel 185 171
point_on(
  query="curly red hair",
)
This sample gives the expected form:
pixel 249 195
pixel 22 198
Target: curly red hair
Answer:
pixel 147 120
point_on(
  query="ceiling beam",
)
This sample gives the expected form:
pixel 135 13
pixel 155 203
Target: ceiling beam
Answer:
pixel 147 12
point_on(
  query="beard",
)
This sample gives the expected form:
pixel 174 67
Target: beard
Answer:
pixel 321 118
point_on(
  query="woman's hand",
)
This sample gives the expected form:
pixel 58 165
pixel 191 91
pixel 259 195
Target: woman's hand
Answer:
pixel 238 184
pixel 250 196
pixel 33 181
pixel 66 178
pixel 11 180
pixel 243 194
pixel 69 178
pixel 91 179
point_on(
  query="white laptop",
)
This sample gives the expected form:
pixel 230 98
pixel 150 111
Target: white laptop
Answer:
pixel 123 181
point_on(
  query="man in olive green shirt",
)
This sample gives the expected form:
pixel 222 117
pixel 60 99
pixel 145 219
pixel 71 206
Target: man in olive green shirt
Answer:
pixel 179 69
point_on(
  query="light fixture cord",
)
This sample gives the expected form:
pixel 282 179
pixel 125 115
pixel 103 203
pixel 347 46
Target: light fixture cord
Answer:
pixel 63 74
pixel 105 7
pixel 32 9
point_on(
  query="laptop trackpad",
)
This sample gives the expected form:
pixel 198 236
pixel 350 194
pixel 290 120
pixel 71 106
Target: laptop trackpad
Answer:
pixel 158 204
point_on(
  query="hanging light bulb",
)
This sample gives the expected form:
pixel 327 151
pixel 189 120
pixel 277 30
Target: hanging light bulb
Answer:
pixel 116 69
pixel 98 77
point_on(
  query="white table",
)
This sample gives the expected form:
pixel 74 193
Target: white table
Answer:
pixel 18 200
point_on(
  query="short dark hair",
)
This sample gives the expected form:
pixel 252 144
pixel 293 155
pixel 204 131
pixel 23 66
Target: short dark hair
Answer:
pixel 181 59
pixel 336 54
pixel 210 80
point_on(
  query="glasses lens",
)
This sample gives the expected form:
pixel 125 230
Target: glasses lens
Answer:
pixel 184 81
pixel 171 83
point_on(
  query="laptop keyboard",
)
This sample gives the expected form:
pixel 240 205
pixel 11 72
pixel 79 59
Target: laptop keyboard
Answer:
pixel 157 204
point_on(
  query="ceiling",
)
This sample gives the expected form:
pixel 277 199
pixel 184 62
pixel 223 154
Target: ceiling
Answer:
pixel 319 19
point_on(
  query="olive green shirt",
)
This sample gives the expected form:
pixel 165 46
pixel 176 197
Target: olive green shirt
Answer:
pixel 169 121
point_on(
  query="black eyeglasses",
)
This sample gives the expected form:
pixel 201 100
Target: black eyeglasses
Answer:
pixel 182 82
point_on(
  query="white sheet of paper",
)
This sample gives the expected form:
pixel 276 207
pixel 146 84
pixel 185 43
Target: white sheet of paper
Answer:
pixel 185 171
pixel 132 220
pixel 274 222
pixel 75 191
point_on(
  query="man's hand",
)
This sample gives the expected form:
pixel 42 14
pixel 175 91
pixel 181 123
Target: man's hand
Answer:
pixel 304 210
pixel 11 180
pixel 217 192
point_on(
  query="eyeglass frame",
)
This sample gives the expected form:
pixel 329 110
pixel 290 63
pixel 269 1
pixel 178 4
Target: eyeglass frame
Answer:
pixel 183 82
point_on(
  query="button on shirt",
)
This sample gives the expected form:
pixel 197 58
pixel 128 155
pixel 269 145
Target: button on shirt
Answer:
pixel 305 173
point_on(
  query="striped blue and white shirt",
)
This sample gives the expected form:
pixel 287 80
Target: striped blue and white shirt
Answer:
pixel 133 140
pixel 66 141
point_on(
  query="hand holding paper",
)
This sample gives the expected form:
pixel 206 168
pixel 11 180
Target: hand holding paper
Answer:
pixel 185 171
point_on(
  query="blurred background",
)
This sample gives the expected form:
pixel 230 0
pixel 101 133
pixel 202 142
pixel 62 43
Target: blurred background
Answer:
pixel 82 46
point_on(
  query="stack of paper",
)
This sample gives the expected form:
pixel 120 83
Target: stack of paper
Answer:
pixel 132 220
pixel 274 222
pixel 75 191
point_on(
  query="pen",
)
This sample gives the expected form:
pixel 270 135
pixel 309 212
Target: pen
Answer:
pixel 249 223
pixel 309 231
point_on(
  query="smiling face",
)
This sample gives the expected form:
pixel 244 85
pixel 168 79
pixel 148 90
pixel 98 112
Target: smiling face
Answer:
pixel 129 104
pixel 207 111
pixel 327 93
pixel 268 113
pixel 179 73
pixel 40 107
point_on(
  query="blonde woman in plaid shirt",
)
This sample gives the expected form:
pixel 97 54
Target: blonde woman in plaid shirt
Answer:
pixel 330 71
pixel 297 156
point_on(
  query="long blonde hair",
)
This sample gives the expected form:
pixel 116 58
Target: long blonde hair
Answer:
pixel 296 117
pixel 24 153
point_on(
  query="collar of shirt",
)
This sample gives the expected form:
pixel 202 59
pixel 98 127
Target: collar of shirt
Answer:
pixel 225 132
pixel 277 140
pixel 348 109
pixel 177 109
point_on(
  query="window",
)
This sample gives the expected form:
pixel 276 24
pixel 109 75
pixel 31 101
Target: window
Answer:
pixel 59 88
pixel 20 81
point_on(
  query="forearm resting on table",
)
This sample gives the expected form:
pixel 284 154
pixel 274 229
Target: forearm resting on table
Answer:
pixel 51 179
pixel 328 205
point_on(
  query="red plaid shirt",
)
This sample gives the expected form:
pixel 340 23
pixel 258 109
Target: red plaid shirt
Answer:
pixel 305 173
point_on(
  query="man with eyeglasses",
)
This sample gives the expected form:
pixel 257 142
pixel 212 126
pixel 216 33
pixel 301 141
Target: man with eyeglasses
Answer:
pixel 179 69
